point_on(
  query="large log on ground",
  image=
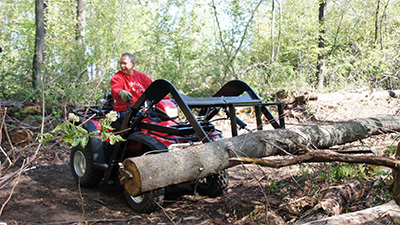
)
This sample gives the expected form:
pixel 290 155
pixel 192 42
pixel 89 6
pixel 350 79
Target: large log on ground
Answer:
pixel 334 201
pixel 388 213
pixel 150 172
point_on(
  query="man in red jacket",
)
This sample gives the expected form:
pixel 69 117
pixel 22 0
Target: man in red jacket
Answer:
pixel 127 85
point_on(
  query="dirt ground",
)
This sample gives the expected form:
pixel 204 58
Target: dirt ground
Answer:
pixel 48 194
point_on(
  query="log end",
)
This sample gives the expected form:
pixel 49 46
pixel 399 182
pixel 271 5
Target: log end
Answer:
pixel 129 177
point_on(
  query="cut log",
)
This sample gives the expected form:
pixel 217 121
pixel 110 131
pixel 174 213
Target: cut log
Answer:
pixel 22 137
pixel 376 215
pixel 150 172
pixel 293 102
pixel 334 201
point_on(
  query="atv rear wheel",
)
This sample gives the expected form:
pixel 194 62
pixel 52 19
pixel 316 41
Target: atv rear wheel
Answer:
pixel 82 167
pixel 213 186
pixel 148 202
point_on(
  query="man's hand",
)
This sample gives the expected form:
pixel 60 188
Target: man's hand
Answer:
pixel 125 96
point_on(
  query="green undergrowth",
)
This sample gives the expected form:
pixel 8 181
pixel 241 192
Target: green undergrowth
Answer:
pixel 315 179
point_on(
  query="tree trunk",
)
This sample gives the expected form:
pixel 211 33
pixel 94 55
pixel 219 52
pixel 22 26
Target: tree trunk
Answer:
pixel 273 31
pixel 81 15
pixel 382 214
pixel 321 44
pixel 377 22
pixel 80 39
pixel 150 172
pixel 39 43
pixel 334 201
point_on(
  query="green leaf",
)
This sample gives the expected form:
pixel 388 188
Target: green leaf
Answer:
pixel 112 140
pixel 119 138
pixel 67 129
pixel 105 136
pixel 107 126
pixel 67 138
pixel 76 142
pixel 58 128
pixel 46 137
pixel 82 130
pixel 84 141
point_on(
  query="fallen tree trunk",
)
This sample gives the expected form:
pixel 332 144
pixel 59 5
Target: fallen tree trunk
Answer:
pixel 334 201
pixel 150 172
pixel 321 156
pixel 383 214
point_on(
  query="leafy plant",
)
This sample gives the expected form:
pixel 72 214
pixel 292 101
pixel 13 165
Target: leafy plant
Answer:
pixel 77 135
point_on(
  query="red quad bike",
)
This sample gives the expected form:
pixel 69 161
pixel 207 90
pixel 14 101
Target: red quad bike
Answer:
pixel 151 126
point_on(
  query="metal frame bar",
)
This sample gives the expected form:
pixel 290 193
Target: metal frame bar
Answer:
pixel 235 93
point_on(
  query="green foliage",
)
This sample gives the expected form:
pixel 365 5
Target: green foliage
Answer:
pixel 340 171
pixel 182 42
pixel 77 135
pixel 74 135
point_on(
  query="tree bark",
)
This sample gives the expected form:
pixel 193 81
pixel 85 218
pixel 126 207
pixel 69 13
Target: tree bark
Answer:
pixel 321 44
pixel 80 30
pixel 273 31
pixel 334 201
pixel 375 215
pixel 39 43
pixel 150 172
pixel 377 22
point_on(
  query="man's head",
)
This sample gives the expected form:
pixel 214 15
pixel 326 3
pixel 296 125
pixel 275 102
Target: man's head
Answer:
pixel 127 63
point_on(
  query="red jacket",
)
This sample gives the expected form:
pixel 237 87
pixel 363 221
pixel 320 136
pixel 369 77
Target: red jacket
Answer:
pixel 135 84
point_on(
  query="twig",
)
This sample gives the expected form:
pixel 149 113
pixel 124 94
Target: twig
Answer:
pixel 122 131
pixel 12 190
pixel 3 113
pixel 321 156
pixel 9 139
pixel 165 213
pixel 93 221
pixel 6 155
pixel 81 197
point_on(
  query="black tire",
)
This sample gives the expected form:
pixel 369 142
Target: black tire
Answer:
pixel 81 162
pixel 148 202
pixel 213 186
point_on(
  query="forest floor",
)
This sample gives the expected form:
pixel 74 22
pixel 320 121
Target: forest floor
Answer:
pixel 48 194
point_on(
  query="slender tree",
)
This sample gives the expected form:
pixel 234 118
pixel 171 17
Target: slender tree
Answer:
pixel 81 15
pixel 231 54
pixel 39 43
pixel 377 21
pixel 321 43
pixel 380 24
pixel 80 36
pixel 273 31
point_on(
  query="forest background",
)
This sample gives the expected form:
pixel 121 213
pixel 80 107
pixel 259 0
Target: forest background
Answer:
pixel 64 52
pixel 69 49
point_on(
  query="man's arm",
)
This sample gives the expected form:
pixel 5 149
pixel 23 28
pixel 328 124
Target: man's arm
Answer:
pixel 116 86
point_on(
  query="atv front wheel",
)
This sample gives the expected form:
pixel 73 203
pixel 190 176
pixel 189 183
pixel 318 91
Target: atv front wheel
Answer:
pixel 146 203
pixel 213 186
pixel 81 162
